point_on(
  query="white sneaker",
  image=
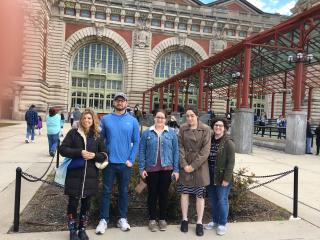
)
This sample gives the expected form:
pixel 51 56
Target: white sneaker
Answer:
pixel 102 226
pixel 123 224
pixel 32 141
pixel 221 230
pixel 210 225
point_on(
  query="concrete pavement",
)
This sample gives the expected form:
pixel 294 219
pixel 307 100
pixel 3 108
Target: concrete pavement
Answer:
pixel 34 159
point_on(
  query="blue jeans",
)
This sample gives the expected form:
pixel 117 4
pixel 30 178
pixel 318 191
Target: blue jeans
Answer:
pixel 218 197
pixel 30 132
pixel 53 140
pixel 308 145
pixel 122 173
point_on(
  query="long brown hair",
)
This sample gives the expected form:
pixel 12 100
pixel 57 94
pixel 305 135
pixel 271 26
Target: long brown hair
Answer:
pixel 95 128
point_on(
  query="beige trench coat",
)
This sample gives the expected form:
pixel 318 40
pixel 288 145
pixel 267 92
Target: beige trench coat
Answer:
pixel 194 149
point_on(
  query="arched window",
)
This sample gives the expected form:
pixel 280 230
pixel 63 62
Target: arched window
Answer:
pixel 172 63
pixel 96 72
pixel 79 99
pixel 168 65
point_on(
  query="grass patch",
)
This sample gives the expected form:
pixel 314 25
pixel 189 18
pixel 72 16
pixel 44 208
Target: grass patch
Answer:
pixel 3 124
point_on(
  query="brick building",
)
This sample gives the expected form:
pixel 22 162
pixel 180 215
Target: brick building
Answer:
pixel 82 52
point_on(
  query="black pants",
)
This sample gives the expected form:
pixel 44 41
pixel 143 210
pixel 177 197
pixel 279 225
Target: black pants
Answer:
pixel 158 189
pixel 318 145
pixel 73 206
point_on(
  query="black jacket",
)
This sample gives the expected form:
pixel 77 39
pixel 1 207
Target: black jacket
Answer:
pixel 308 131
pixel 82 182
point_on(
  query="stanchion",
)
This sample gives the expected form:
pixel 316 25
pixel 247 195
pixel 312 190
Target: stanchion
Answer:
pixel 17 200
pixel 58 154
pixel 295 192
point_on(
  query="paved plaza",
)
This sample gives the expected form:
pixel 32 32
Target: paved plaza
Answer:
pixel 33 158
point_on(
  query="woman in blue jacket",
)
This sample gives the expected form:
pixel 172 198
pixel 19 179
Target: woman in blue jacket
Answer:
pixel 53 130
pixel 159 164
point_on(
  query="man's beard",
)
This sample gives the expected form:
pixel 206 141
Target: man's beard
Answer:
pixel 119 109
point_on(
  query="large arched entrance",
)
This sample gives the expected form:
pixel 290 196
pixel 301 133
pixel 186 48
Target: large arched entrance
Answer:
pixel 96 75
pixel 168 65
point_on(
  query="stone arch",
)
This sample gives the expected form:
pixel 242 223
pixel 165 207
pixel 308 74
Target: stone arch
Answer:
pixel 88 35
pixel 173 44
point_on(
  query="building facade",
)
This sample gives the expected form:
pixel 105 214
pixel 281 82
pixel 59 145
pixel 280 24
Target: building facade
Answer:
pixel 82 52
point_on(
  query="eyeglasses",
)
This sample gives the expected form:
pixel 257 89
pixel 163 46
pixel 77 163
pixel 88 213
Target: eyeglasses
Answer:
pixel 162 118
pixel 218 125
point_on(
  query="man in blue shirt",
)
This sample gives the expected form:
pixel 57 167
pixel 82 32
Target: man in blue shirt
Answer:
pixel 31 117
pixel 121 133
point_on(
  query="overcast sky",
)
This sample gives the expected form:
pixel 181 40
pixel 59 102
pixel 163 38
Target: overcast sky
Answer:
pixel 270 6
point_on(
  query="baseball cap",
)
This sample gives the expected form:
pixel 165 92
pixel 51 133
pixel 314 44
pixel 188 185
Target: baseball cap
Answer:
pixel 120 94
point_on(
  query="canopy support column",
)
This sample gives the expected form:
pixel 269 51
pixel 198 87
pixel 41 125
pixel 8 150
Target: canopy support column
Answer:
pixel 161 98
pixel 176 96
pixel 272 105
pixel 201 77
pixel 246 78
pixel 151 102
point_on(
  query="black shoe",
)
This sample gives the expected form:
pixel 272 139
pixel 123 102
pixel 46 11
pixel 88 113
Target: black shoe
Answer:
pixel 184 226
pixel 199 230
pixel 83 235
pixel 73 235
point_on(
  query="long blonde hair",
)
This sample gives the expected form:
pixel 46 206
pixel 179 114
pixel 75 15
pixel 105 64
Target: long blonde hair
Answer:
pixel 95 128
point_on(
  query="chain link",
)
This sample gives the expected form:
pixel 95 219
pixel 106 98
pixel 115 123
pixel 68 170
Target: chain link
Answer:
pixel 27 177
pixel 270 181
pixel 265 176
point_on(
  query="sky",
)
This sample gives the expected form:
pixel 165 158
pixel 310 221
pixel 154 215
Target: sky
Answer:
pixel 270 6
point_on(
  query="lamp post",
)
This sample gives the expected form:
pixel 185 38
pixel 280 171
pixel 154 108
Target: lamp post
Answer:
pixel 210 86
pixel 299 79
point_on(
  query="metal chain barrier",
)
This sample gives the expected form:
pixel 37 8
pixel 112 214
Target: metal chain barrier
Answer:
pixel 270 181
pixel 27 177
pixel 265 176
pixel 36 179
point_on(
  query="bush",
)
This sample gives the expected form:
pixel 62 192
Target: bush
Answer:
pixel 238 194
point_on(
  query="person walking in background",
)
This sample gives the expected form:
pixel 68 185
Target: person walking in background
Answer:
pixel 137 112
pixel 317 132
pixel 221 163
pixel 158 164
pixel 280 125
pixel 39 126
pixel 85 146
pixel 53 130
pixel 173 124
pixel 31 117
pixel 194 148
pixel 76 117
pixel 309 137
pixel 71 118
pixel 61 124
pixel 121 133
pixel 262 123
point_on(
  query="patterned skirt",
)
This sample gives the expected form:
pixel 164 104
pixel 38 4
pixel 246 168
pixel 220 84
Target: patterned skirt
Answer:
pixel 200 192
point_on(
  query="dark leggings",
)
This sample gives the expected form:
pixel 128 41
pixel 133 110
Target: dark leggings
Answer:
pixel 158 189
pixel 73 206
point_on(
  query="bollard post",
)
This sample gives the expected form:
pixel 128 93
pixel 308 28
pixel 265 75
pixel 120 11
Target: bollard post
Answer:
pixel 17 200
pixel 295 192
pixel 58 154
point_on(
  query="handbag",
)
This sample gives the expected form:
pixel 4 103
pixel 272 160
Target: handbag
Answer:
pixel 104 164
pixel 61 171
pixel 78 162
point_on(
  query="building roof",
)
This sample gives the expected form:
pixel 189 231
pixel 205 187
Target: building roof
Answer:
pixel 246 3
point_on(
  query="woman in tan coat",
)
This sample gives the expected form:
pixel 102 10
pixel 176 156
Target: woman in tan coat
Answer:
pixel 194 148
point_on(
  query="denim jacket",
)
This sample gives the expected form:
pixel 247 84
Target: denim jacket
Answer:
pixel 169 149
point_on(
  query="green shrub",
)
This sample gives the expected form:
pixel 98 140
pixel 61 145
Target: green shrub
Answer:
pixel 238 194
